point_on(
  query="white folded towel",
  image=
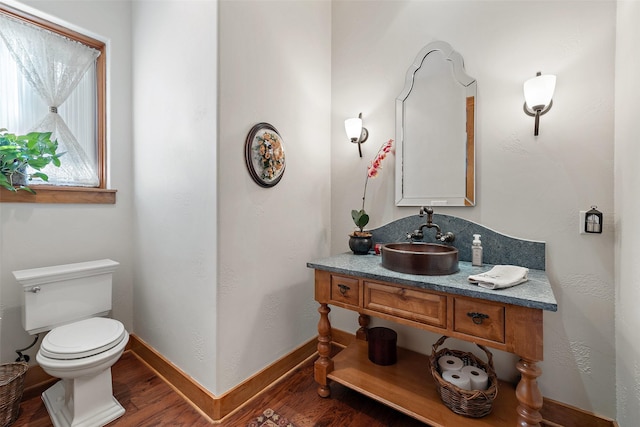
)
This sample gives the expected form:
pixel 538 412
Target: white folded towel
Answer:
pixel 500 276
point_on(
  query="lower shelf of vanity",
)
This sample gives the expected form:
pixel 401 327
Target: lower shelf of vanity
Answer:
pixel 408 387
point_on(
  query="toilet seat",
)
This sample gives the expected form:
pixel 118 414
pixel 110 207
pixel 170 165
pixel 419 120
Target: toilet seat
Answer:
pixel 82 339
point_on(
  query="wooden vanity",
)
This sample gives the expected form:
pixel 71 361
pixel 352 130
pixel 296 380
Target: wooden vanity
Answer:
pixel 508 319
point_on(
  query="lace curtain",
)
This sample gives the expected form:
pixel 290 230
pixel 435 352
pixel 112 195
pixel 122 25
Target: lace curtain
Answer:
pixel 54 66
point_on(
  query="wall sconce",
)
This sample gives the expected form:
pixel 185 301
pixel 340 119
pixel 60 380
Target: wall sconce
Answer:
pixel 593 221
pixel 538 92
pixel 357 133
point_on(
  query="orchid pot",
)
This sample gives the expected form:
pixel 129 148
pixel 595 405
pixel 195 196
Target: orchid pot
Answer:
pixel 360 242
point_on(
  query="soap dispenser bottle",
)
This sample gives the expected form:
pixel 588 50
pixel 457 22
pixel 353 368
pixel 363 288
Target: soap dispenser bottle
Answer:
pixel 476 251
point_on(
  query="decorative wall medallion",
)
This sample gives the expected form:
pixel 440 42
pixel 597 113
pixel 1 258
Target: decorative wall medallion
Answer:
pixel 264 154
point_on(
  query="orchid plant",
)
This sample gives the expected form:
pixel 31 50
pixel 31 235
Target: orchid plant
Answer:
pixel 360 217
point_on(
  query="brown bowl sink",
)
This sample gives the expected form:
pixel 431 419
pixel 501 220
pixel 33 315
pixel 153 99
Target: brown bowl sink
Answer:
pixel 429 259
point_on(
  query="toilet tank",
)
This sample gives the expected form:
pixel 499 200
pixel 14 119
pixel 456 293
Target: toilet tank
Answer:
pixel 60 294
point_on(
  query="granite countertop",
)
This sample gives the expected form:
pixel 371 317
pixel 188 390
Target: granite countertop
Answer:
pixel 534 293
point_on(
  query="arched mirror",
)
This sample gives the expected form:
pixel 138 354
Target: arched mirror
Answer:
pixel 435 128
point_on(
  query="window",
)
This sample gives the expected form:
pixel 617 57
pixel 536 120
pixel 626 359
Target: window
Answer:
pixel 53 79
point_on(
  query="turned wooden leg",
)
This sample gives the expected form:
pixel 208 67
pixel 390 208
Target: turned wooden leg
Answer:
pixel 323 364
pixel 363 321
pixel 528 394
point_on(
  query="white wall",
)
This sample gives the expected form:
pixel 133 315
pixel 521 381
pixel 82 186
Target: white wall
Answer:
pixel 529 187
pixel 274 67
pixel 237 308
pixel 36 235
pixel 175 180
pixel 627 182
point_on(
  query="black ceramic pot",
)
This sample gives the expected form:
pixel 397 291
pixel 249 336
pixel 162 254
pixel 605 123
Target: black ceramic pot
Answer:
pixel 19 178
pixel 360 245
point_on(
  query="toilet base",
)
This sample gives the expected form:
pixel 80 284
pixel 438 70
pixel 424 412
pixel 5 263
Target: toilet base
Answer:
pixel 88 409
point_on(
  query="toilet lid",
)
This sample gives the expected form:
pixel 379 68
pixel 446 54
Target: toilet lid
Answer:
pixel 82 339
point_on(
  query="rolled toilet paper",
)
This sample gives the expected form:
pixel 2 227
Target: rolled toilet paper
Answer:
pixel 450 363
pixel 479 378
pixel 457 378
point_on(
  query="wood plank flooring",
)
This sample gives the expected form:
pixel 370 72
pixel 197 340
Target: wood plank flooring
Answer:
pixel 149 401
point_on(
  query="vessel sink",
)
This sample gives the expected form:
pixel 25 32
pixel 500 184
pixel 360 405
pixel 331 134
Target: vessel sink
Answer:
pixel 429 259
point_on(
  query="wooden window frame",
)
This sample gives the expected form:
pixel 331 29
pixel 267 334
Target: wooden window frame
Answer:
pixel 68 194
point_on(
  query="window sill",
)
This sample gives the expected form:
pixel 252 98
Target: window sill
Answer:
pixel 49 194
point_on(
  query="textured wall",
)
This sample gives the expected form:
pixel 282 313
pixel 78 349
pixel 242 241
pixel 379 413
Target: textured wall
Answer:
pixel 528 187
pixel 175 108
pixel 37 235
pixel 627 180
pixel 275 68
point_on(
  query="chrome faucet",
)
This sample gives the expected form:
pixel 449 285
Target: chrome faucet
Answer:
pixel 419 234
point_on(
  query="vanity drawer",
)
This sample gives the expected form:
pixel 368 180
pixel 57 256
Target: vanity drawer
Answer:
pixel 419 306
pixel 345 289
pixel 480 319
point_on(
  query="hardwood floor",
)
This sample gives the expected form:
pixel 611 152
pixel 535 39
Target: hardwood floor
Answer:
pixel 149 401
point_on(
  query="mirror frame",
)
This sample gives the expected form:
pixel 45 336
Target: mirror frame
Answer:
pixel 466 81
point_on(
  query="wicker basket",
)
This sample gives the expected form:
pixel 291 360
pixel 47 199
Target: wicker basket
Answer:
pixel 11 387
pixel 470 403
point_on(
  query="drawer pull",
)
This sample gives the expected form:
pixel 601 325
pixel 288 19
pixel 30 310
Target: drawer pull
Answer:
pixel 343 289
pixel 477 317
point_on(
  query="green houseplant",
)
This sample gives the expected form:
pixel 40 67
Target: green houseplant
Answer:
pixel 17 152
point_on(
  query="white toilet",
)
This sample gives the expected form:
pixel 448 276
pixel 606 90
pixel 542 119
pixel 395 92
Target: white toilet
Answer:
pixel 81 347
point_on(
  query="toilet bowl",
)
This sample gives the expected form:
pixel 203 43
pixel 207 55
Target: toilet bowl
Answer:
pixel 81 346
pixel 81 354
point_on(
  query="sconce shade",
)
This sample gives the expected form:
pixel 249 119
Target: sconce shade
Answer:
pixel 538 91
pixel 538 94
pixel 356 132
pixel 353 127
